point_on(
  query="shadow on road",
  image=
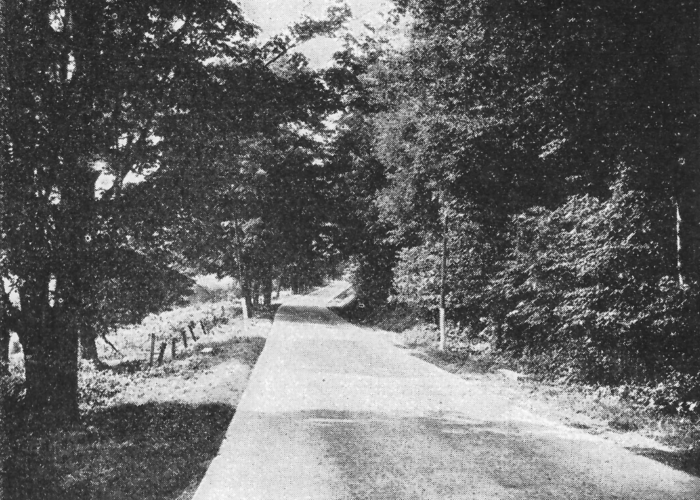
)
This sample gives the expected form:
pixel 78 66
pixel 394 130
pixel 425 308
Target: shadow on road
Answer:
pixel 394 456
pixel 684 460
pixel 309 314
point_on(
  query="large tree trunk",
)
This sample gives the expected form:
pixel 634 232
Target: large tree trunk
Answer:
pixel 50 345
pixel 4 329
pixel 51 321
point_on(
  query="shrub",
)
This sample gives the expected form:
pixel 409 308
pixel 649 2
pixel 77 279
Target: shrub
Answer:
pixel 591 281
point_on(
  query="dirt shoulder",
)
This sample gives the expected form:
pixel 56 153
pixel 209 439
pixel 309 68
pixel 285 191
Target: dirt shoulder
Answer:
pixel 669 439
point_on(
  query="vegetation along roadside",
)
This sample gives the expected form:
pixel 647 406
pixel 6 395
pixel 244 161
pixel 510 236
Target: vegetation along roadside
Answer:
pixel 146 432
pixel 614 413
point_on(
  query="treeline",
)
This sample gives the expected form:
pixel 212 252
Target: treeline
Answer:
pixel 555 145
pixel 143 141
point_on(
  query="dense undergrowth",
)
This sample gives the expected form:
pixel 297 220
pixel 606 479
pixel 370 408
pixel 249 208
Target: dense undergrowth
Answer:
pixel 569 229
pixel 581 293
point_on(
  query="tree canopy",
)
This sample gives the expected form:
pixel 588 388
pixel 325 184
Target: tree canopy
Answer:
pixel 559 141
pixel 131 125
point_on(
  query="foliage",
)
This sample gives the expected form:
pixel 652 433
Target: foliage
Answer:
pixel 558 138
pixel 417 273
pixel 130 127
pixel 589 281
pixel 98 386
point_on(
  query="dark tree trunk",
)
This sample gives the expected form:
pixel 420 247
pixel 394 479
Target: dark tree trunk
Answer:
pixel 688 229
pixel 256 293
pixel 280 282
pixel 245 290
pixel 51 321
pixel 687 41
pixel 4 349
pixel 4 330
pixel 267 290
pixel 50 341
pixel 88 346
pixel 51 368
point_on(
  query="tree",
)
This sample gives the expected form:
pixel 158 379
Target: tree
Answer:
pixel 92 88
pixel 542 99
pixel 257 208
pixel 4 299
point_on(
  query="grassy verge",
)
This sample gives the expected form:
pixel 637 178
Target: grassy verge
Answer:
pixel 147 432
pixel 670 439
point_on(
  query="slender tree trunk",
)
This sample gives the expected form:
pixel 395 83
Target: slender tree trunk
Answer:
pixel 4 329
pixel 245 290
pixel 279 286
pixel 4 348
pixel 267 289
pixel 256 293
pixel 243 280
pixel 4 378
pixel 687 208
pixel 295 283
pixel 88 345
pixel 443 274
pixel 679 253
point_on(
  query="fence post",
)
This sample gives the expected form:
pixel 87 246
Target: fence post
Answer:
pixel 161 354
pixel 184 337
pixel 153 348
pixel 191 327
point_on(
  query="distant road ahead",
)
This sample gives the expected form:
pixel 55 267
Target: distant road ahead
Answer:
pixel 336 412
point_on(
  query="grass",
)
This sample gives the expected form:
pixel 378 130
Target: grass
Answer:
pixel 149 451
pixel 670 439
pixel 146 432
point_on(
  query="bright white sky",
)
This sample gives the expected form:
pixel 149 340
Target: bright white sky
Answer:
pixel 273 16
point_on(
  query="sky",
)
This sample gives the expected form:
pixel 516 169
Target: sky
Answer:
pixel 273 16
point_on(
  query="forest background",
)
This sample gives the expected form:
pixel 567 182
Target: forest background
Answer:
pixel 550 146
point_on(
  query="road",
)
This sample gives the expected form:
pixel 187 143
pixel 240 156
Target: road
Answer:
pixel 333 411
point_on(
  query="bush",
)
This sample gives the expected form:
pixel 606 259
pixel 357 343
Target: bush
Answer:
pixel 417 274
pixel 96 387
pixel 591 282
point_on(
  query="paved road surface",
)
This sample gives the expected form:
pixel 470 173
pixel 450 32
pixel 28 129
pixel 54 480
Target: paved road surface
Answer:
pixel 337 412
